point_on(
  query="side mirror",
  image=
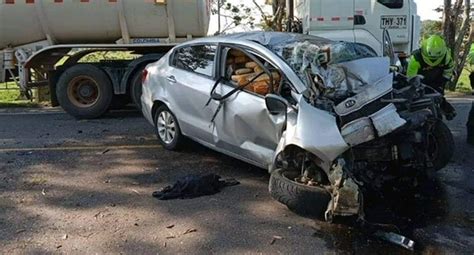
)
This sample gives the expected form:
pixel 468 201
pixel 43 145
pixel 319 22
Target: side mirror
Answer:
pixel 276 104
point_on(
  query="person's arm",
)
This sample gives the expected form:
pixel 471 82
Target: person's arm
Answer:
pixel 449 70
pixel 413 67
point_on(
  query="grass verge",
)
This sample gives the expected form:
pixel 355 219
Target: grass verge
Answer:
pixel 11 98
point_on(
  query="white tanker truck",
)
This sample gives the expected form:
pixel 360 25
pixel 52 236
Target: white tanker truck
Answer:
pixel 36 35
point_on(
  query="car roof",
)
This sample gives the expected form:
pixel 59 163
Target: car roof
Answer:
pixel 266 39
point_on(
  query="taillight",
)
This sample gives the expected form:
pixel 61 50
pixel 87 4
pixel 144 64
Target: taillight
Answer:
pixel 144 75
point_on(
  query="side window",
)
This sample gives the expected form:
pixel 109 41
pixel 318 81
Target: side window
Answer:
pixel 240 69
pixel 197 58
pixel 392 4
pixel 359 20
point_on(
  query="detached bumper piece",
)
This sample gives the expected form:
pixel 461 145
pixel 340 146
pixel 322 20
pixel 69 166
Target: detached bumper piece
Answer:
pixel 378 124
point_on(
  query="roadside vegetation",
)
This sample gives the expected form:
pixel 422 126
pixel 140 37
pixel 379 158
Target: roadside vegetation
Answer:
pixel 464 83
pixel 11 98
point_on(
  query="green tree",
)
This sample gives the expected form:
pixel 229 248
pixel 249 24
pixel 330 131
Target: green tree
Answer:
pixel 458 30
pixel 234 15
pixel 431 27
pixel 251 14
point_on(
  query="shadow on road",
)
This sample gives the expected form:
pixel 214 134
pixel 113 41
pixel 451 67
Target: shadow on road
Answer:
pixel 100 201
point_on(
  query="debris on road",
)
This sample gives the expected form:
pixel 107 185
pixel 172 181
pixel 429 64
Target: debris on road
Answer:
pixel 396 239
pixel 192 186
pixel 20 231
pixel 275 238
pixel 105 151
pixel 188 231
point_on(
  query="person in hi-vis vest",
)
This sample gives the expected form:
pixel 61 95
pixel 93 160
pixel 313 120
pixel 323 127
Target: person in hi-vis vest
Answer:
pixel 435 63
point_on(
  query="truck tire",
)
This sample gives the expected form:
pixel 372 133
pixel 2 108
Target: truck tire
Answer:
pixel 302 199
pixel 136 88
pixel 84 91
pixel 441 145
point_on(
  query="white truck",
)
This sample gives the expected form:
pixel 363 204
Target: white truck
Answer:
pixel 363 21
pixel 42 43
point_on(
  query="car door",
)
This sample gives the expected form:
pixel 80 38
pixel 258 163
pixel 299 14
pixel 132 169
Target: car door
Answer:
pixel 243 126
pixel 191 80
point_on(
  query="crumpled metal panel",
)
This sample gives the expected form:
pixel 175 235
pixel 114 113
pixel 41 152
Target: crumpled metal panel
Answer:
pixel 345 193
pixel 368 95
pixel 346 199
pixel 387 120
pixel 352 77
pixel 365 71
pixel 313 130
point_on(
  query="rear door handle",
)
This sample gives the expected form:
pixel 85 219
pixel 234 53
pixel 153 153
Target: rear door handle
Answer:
pixel 171 79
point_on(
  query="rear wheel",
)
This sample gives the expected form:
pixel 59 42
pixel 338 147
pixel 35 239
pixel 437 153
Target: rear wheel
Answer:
pixel 300 198
pixel 84 91
pixel 167 129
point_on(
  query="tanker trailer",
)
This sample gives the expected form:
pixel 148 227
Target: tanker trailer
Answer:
pixel 45 42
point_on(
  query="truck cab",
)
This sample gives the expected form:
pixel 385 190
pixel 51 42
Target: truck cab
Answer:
pixel 363 21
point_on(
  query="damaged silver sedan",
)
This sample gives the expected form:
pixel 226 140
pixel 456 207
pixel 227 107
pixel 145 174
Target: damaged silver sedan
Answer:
pixel 329 120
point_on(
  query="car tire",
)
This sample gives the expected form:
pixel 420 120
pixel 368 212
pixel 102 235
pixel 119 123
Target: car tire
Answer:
pixel 167 129
pixel 441 145
pixel 302 199
pixel 84 91
pixel 136 89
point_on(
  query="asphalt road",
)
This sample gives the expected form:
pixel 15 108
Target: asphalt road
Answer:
pixel 69 186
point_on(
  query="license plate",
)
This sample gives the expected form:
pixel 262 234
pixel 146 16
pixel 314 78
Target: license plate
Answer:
pixel 393 22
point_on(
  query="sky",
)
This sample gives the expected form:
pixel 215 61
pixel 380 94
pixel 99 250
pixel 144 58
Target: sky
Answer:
pixel 425 9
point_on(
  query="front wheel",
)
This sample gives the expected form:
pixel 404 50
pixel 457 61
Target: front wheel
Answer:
pixel 300 198
pixel 440 145
pixel 167 129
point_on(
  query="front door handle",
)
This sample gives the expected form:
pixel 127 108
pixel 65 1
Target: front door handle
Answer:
pixel 171 79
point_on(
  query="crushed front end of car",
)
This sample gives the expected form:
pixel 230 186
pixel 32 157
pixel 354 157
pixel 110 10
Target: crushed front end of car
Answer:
pixel 359 129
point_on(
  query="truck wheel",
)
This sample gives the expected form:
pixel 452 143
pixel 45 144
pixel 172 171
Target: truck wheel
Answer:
pixel 440 145
pixel 84 91
pixel 299 198
pixel 136 89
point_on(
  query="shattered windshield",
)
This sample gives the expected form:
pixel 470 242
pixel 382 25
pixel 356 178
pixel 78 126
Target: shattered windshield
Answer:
pixel 315 55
